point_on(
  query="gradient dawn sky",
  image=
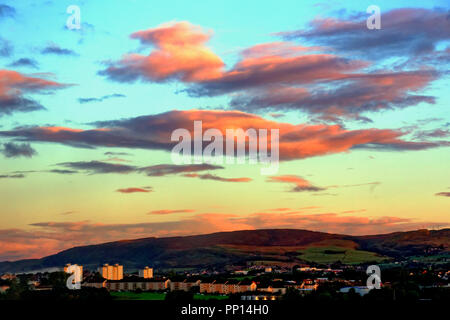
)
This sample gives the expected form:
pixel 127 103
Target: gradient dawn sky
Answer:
pixel 86 117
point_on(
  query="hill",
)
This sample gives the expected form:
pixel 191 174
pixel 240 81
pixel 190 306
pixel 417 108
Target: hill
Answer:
pixel 240 247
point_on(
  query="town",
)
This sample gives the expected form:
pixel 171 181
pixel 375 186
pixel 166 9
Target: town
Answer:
pixel 255 282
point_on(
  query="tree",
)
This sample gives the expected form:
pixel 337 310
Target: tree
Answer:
pixel 292 295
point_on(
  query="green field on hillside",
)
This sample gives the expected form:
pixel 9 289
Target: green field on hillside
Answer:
pixel 333 254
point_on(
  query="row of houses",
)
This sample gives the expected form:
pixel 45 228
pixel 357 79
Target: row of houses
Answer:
pixel 226 287
pixel 134 283
pixel 129 284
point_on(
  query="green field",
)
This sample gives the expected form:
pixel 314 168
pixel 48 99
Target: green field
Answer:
pixel 128 295
pixel 333 254
pixel 240 278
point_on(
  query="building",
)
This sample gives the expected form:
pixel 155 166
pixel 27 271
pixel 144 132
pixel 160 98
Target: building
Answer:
pixel 241 272
pixel 277 287
pixel 94 284
pixel 260 297
pixel 109 272
pixel 309 269
pixel 308 284
pixel 8 276
pixel 70 268
pixel 183 285
pixel 207 287
pixel 146 273
pixel 227 287
pixel 131 284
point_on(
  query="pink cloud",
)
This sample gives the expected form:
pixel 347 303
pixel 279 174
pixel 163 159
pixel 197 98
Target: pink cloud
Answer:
pixel 165 211
pixel 134 190
pixel 16 87
pixel 299 184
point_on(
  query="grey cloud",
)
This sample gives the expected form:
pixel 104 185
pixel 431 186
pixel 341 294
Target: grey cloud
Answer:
pixel 24 62
pixel 14 150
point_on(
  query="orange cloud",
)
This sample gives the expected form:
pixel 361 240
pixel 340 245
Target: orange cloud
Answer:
pixel 154 132
pixel 179 52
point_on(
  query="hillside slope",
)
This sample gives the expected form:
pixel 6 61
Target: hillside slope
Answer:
pixel 218 249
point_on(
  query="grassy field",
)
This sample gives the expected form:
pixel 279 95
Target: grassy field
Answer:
pixel 128 295
pixel 240 278
pixel 333 254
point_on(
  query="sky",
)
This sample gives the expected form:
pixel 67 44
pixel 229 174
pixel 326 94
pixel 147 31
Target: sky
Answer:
pixel 86 117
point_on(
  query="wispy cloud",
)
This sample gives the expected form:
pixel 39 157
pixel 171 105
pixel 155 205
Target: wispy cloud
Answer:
pixel 101 99
pixel 135 190
pixel 109 153
pixel 66 213
pixel 98 167
pixel 165 211
pixel 299 184
pixel 24 62
pixel 62 171
pixel 154 132
pixel 14 176
pixel 168 169
pixel 208 176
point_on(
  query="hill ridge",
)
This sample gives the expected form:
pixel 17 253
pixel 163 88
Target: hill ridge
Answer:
pixel 231 247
